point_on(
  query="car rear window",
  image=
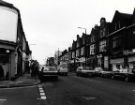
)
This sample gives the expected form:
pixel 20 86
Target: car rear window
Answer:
pixel 52 68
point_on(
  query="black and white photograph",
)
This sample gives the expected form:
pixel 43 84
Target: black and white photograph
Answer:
pixel 67 52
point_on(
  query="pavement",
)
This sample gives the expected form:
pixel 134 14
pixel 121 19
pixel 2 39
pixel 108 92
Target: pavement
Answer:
pixel 25 80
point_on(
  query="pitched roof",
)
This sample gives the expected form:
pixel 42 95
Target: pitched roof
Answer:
pixel 124 16
pixel 6 4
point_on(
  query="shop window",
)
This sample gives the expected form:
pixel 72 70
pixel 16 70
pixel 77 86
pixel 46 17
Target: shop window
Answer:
pixel 116 42
pixel 118 66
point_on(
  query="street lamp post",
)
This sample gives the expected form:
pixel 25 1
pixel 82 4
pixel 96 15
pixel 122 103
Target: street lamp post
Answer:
pixel 84 29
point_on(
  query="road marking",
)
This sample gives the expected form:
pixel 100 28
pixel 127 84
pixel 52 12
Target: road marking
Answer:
pixel 42 93
pixel 40 88
pixel 133 90
pixel 43 97
pixel 89 98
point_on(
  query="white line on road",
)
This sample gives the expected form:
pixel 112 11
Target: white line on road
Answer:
pixel 43 97
pixel 133 90
pixel 42 93
pixel 40 88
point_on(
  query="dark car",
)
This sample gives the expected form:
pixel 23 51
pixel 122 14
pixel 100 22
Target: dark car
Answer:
pixel 49 72
pixel 124 75
pixel 107 74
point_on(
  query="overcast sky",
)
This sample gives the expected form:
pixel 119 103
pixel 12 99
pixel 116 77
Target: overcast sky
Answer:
pixel 52 24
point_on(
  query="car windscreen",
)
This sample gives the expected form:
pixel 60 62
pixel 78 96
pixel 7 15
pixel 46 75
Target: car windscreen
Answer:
pixel 51 68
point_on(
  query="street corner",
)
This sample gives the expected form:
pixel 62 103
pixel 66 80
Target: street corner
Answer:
pixel 19 83
pixel 27 82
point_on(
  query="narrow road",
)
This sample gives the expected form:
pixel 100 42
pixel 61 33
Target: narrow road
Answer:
pixel 73 90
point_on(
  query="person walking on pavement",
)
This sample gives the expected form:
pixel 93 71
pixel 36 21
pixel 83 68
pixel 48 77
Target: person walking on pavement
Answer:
pixel 1 73
pixel 32 68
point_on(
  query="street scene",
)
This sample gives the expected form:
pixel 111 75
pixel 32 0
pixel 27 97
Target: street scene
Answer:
pixel 67 52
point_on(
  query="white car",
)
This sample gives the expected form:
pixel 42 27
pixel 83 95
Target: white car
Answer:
pixel 63 69
pixel 85 71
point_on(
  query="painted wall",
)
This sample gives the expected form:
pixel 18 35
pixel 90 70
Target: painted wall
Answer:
pixel 8 24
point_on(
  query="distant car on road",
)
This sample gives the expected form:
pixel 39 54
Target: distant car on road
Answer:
pixel 85 71
pixel 49 72
pixel 63 69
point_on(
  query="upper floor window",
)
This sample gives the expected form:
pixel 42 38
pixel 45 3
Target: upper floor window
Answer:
pixel 83 40
pixel 73 54
pixel 116 42
pixel 77 52
pixel 82 51
pixel 92 38
pixel 102 46
pixel 92 49
pixel 102 33
pixel 117 25
pixel 78 44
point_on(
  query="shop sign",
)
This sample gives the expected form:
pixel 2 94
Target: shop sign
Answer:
pixel 115 61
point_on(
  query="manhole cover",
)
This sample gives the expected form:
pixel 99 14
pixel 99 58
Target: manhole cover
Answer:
pixel 88 98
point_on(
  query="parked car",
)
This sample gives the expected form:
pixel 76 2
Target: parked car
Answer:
pixel 107 74
pixel 124 75
pixel 85 71
pixel 49 72
pixel 98 71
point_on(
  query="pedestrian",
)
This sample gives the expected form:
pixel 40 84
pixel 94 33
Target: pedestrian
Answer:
pixel 1 73
pixel 32 68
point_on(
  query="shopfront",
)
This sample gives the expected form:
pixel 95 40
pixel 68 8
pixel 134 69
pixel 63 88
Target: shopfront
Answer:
pixel 117 64
pixel 131 63
pixel 91 62
pixel 7 63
